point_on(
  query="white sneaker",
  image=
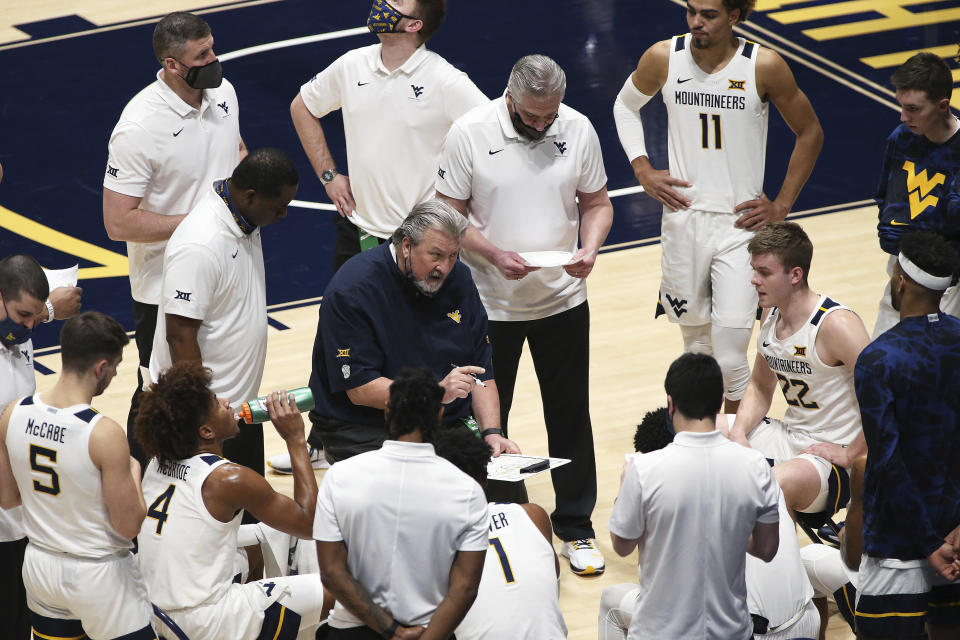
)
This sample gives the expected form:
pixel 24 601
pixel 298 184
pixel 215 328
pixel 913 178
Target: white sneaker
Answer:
pixel 585 557
pixel 281 463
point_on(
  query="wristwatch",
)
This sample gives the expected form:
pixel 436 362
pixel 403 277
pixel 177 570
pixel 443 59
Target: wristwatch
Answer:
pixel 327 176
pixel 491 432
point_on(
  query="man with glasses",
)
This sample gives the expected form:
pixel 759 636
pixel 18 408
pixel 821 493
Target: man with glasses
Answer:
pixel 519 164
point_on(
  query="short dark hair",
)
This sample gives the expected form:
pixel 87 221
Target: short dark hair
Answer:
pixel 745 7
pixel 653 432
pixel 931 252
pixel 432 14
pixel 266 171
pixel 464 449
pixel 19 274
pixel 414 403
pixel 172 411
pixel 788 242
pixel 925 72
pixel 172 32
pixel 89 337
pixel 695 383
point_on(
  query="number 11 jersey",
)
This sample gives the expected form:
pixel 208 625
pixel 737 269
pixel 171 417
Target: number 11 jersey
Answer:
pixel 716 127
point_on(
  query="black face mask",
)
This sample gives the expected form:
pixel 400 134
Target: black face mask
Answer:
pixel 526 130
pixel 208 76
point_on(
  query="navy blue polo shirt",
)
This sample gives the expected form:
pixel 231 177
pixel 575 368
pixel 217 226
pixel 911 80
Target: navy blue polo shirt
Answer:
pixel 373 323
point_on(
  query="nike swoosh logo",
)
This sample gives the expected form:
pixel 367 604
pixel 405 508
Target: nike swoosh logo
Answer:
pixel 684 80
pixel 235 253
pixel 492 152
pixel 766 344
pixel 362 84
pixel 899 224
pixel 178 132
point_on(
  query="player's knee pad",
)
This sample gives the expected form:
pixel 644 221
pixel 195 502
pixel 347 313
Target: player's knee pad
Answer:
pixel 730 350
pixel 696 338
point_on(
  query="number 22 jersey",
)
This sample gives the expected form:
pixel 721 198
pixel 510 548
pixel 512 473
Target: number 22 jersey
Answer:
pixel 820 397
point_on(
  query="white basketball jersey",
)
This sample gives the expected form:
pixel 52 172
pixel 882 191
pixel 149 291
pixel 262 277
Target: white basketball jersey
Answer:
pixel 518 595
pixel 716 127
pixel 186 555
pixel 820 398
pixel 778 590
pixel 60 487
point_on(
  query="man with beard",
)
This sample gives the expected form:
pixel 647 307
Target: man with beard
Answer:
pixel 906 383
pixel 717 89
pixel 71 469
pixel 173 140
pixel 406 303
pixel 517 167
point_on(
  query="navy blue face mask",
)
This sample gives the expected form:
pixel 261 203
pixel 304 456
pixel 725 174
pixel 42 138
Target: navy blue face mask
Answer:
pixel 12 332
pixel 384 18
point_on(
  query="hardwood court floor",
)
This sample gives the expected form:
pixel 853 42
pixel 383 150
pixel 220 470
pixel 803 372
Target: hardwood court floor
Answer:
pixel 629 357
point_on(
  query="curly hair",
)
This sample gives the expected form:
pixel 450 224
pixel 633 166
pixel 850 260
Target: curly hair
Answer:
pixel 172 410
pixel 414 403
pixel 464 450
pixel 653 432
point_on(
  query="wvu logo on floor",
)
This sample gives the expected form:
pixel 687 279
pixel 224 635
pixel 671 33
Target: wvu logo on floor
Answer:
pixel 737 84
pixel 799 352
pixel 183 295
pixel 677 304
pixel 918 186
pixel 455 316
pixel 343 353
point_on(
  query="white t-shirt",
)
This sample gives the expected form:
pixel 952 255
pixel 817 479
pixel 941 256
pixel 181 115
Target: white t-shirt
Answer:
pixel 214 272
pixel 64 510
pixel 518 590
pixel 394 124
pixel 522 198
pixel 694 503
pixel 167 153
pixel 17 379
pixel 403 513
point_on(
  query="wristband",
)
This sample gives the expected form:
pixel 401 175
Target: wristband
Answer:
pixel 49 310
pixel 392 629
pixel 491 432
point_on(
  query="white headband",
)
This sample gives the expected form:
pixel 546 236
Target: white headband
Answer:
pixel 921 277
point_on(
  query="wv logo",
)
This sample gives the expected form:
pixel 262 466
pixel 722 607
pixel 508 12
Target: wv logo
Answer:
pixel 416 90
pixel 799 352
pixel 677 305
pixel 223 105
pixel 455 316
pixel 918 186
pixel 561 146
pixel 183 295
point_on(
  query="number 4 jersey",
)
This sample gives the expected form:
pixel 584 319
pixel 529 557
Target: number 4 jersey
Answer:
pixel 717 127
pixel 820 398
pixel 186 555
pixel 60 487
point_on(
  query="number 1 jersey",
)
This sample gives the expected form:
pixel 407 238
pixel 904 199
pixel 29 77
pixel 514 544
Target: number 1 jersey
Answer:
pixel 717 127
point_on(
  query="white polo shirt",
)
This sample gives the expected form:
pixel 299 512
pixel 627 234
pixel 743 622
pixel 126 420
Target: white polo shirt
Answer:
pixel 403 513
pixel 694 503
pixel 522 198
pixel 214 272
pixel 394 123
pixel 167 153
pixel 17 379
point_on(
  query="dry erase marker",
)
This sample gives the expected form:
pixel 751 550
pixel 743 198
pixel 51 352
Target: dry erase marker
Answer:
pixel 475 378
pixel 536 466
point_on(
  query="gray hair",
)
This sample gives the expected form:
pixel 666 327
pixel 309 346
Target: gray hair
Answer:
pixel 538 76
pixel 432 214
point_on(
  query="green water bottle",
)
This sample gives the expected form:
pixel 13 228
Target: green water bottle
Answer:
pixel 255 411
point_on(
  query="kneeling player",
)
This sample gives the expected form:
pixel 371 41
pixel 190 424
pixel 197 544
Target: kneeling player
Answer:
pixel 71 469
pixel 518 595
pixel 197 497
